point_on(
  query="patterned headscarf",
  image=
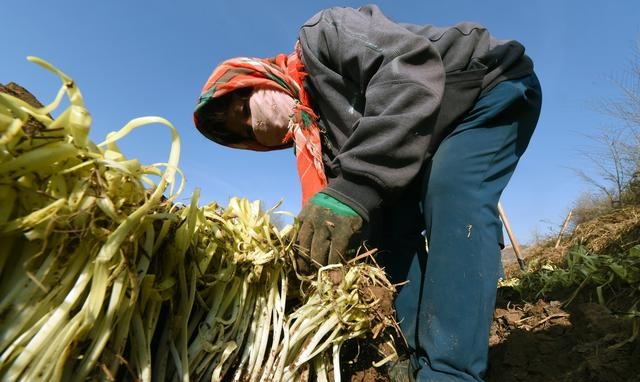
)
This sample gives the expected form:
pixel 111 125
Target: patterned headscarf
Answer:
pixel 283 73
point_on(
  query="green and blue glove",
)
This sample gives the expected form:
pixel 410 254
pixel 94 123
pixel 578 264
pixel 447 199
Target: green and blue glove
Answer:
pixel 326 227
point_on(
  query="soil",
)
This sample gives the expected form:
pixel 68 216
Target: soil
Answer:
pixel 31 126
pixel 546 341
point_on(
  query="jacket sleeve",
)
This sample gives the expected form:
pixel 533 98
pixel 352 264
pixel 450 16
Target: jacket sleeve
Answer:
pixel 400 77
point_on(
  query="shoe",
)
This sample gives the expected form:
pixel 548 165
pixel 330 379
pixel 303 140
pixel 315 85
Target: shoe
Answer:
pixel 401 371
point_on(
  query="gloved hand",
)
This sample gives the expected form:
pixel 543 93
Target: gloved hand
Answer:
pixel 326 225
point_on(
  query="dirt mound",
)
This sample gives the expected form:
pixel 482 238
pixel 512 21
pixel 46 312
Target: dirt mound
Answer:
pixel 548 342
pixel 569 334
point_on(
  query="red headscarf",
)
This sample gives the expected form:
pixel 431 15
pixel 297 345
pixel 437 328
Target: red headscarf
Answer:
pixel 283 73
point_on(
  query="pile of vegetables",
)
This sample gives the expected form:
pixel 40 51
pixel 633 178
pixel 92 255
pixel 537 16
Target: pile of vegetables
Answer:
pixel 104 276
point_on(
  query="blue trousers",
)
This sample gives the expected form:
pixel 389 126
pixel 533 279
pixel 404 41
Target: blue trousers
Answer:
pixel 446 308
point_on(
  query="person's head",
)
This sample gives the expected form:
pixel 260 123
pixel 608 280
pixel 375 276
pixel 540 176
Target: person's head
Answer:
pixel 247 103
pixel 261 104
pixel 227 119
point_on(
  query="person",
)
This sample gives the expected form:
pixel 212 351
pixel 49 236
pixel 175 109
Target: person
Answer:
pixel 404 135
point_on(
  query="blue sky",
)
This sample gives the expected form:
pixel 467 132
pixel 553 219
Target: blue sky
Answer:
pixel 138 58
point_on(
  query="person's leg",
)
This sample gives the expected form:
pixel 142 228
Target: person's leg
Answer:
pixel 454 296
pixel 402 251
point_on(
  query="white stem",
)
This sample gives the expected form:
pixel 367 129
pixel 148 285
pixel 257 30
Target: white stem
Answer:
pixel 319 343
pixel 51 328
pixel 278 321
pixel 336 361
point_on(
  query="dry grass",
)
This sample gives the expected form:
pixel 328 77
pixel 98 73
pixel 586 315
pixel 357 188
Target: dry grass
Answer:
pixel 613 232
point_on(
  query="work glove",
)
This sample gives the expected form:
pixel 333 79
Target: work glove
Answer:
pixel 326 226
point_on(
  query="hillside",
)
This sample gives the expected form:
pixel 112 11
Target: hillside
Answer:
pixel 574 314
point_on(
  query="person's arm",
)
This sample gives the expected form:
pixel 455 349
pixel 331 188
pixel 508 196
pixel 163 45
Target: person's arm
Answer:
pixel 401 79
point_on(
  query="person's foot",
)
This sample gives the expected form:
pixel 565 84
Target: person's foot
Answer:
pixel 401 371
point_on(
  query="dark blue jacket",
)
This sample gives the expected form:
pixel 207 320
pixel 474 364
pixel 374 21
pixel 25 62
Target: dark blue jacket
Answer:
pixel 388 93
